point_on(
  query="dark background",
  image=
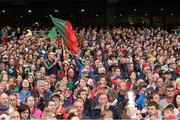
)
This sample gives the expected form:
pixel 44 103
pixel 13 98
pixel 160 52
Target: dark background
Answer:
pixel 96 12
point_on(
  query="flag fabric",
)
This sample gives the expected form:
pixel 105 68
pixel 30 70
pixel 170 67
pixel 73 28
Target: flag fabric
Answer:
pixel 66 32
pixel 52 33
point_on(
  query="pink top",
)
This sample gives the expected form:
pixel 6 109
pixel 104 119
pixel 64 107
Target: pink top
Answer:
pixel 37 113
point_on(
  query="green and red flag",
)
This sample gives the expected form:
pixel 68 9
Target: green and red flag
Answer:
pixel 66 32
pixel 52 33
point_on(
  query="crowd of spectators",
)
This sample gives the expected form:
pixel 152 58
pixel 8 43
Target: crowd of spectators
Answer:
pixel 41 79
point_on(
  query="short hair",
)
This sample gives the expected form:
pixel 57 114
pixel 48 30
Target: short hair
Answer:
pixel 79 100
pixel 153 104
pixel 13 94
pixel 28 98
pixel 80 91
pixel 169 85
pixel 39 82
pixel 116 69
pixel 102 75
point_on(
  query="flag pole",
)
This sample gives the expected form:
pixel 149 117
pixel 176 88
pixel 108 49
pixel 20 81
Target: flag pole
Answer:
pixel 64 56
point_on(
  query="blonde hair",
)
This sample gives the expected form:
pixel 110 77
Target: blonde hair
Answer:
pixel 177 81
pixel 104 113
pixel 46 115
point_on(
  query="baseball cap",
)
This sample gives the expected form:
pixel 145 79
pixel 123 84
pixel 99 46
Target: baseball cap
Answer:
pixel 169 106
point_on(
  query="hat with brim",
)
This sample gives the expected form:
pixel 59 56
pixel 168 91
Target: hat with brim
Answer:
pixel 169 106
pixel 55 95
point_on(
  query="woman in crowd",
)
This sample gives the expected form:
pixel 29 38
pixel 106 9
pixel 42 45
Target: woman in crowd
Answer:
pixel 35 112
pixel 25 90
pixel 24 112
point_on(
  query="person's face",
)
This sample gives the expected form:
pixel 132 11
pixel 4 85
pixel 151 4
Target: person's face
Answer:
pixel 100 64
pixel 83 95
pixel 73 110
pixel 85 44
pixel 156 98
pixel 147 69
pixel 87 62
pixel 131 67
pixel 80 107
pixel 152 110
pixel 71 73
pixel 178 63
pixel 30 102
pixel 129 110
pixel 25 84
pixel 15 115
pixel 108 116
pixel 19 80
pixel 13 99
pixel 173 66
pixel 160 82
pixel 24 115
pixel 51 106
pixel 101 70
pixel 11 81
pixel 52 55
pixel 30 78
pixel 170 92
pixel 33 67
pixel 62 86
pixel 46 86
pixel 122 86
pixel 178 99
pixel 102 81
pixel 123 60
pixel 4 99
pixel 87 53
pixel 5 77
pixel 42 69
pixel 62 96
pixel 168 76
pixel 103 100
pixel 154 53
pixel 38 75
pixel 133 76
pixel 82 83
pixel 167 113
pixel 12 61
pixel 55 99
pixel 139 82
pixel 117 72
pixel 42 87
